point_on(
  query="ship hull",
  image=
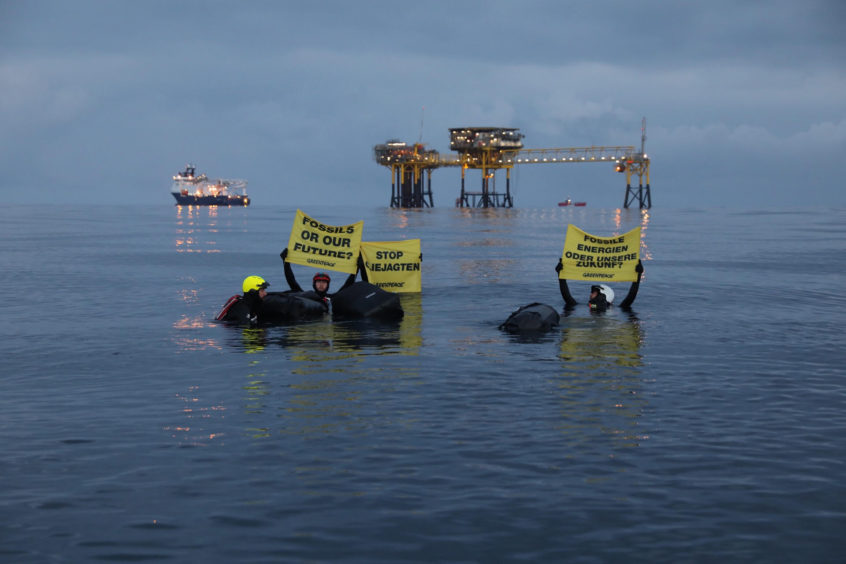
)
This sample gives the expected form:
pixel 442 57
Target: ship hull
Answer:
pixel 206 200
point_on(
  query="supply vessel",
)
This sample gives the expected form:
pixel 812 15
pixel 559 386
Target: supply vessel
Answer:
pixel 192 189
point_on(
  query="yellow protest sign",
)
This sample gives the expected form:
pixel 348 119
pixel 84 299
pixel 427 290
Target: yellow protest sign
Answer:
pixel 393 265
pixel 600 259
pixel 317 244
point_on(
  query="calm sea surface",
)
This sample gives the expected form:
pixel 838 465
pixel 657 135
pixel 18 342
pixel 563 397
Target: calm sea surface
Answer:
pixel 708 426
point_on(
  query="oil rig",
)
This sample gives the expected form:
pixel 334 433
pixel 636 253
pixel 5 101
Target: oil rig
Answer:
pixel 489 149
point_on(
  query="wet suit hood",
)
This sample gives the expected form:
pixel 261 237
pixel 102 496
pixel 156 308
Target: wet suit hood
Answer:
pixel 598 302
pixel 321 277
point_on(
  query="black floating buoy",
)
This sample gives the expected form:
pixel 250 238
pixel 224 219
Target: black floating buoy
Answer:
pixel 531 318
pixel 364 300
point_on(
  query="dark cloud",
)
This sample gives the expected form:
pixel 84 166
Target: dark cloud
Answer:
pixel 106 100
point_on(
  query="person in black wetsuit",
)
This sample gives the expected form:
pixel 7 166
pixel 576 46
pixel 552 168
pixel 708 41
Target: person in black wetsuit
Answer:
pixel 598 301
pixel 246 309
pixel 320 282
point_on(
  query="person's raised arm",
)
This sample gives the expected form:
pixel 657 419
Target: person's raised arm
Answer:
pixel 351 278
pixel 348 282
pixel 569 301
pixel 289 274
pixel 630 297
pixel 361 269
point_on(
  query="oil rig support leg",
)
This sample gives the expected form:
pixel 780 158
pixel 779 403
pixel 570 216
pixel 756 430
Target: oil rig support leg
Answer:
pixel 394 193
pixel 462 201
pixel 642 194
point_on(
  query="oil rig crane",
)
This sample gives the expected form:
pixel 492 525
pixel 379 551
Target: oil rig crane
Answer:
pixel 489 149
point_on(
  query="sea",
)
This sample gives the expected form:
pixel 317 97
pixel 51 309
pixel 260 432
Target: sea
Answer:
pixel 708 424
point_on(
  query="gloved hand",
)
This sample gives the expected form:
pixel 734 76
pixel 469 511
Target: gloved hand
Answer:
pixel 639 267
pixel 559 266
pixel 284 253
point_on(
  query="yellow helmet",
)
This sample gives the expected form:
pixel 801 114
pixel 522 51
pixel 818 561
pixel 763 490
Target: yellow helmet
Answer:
pixel 254 283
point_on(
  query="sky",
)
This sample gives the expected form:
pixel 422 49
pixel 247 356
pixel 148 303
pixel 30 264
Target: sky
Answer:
pixel 104 101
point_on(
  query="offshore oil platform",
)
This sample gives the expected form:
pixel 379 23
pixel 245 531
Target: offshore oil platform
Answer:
pixel 489 149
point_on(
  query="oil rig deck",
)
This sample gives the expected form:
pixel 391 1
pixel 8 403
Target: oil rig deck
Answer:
pixel 489 149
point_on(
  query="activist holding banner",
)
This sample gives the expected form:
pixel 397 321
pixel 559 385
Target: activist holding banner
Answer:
pixel 600 259
pixel 324 246
pixel 392 265
pixel 319 283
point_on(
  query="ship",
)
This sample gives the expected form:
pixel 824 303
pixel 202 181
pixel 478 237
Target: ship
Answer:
pixel 569 202
pixel 192 189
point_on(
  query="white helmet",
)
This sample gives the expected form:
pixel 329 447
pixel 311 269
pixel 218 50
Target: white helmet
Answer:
pixel 605 290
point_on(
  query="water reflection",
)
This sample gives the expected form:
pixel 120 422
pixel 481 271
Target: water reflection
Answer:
pixel 620 226
pixel 191 332
pixel 253 339
pixel 330 373
pixel 196 229
pixel 258 392
pixel 601 384
pixel 327 339
pixel 400 217
pixel 601 340
pixel 488 214
pixel 318 342
pixel 645 254
pixel 486 271
pixel 198 418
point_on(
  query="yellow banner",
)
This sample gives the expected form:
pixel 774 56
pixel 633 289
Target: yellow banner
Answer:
pixel 323 246
pixel 393 265
pixel 600 259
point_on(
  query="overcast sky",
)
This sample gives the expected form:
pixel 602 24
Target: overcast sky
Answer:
pixel 103 101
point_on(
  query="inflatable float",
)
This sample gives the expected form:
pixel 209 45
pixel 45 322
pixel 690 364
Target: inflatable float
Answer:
pixel 364 300
pixel 289 306
pixel 532 318
pixel 276 307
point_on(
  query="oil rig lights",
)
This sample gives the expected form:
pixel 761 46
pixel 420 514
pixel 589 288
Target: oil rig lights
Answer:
pixel 489 149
